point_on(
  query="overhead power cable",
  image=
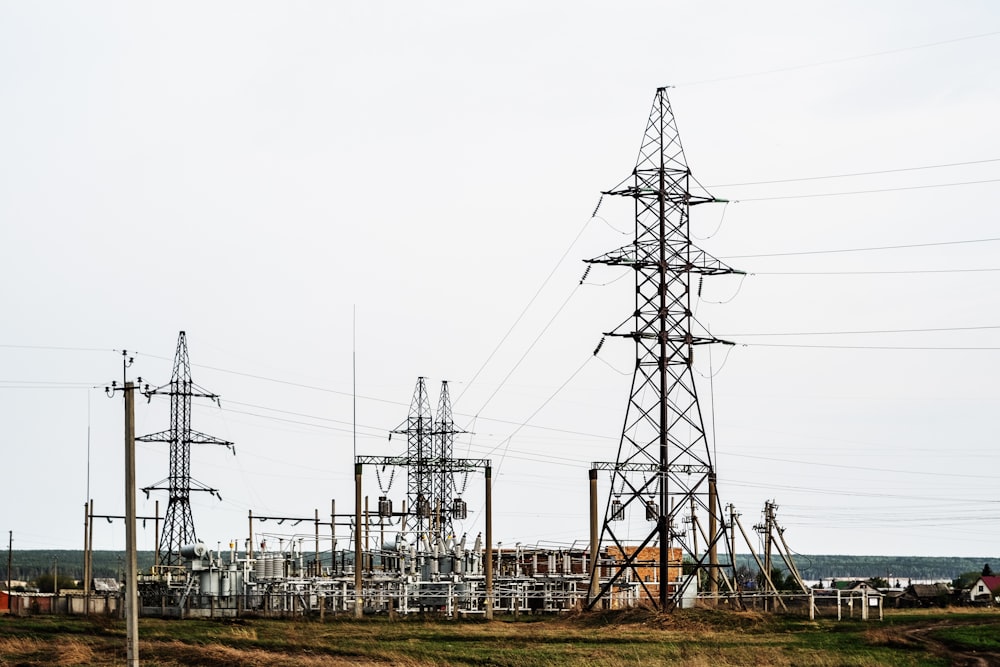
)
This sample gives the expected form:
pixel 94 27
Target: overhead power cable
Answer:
pixel 851 333
pixel 865 249
pixel 837 61
pixel 866 192
pixel 928 348
pixel 867 273
pixel 527 306
pixel 857 173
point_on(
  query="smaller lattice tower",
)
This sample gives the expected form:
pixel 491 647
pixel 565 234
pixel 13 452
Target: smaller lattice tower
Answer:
pixel 178 523
pixel 419 432
pixel 433 495
pixel 448 501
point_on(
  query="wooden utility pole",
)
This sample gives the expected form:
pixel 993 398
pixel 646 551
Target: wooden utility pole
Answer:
pixel 10 562
pixel 131 569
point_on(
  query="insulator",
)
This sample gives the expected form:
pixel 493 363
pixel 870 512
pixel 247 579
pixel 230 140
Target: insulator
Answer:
pixel 597 208
pixel 701 279
pixel 384 506
pixel 652 510
pixel 600 344
pixel 617 510
pixel 459 510
pixel 586 272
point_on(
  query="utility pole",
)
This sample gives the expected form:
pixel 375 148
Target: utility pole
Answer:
pixel 131 569
pixel 10 560
pixel 86 550
pixel 664 460
pixel 358 579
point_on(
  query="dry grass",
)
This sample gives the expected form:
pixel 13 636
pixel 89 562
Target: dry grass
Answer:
pixel 693 638
pixel 178 654
pixel 64 652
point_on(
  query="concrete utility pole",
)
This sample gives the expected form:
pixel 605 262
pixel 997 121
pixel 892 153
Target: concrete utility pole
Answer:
pixel 358 601
pixel 595 538
pixel 10 560
pixel 489 543
pixel 131 569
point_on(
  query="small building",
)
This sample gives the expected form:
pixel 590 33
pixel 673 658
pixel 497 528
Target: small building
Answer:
pixel 986 590
pixel 925 595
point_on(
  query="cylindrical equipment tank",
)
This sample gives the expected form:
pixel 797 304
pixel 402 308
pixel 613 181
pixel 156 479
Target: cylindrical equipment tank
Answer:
pixel 269 566
pixel 208 582
pixel 192 551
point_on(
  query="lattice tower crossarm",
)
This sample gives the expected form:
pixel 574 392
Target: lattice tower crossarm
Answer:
pixel 178 522
pixel 664 465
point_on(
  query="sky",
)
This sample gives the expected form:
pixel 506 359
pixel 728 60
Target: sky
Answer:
pixel 333 199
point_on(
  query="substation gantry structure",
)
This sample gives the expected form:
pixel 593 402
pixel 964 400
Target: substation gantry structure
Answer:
pixel 178 522
pixel 433 494
pixel 664 475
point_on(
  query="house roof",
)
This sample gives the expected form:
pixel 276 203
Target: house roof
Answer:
pixel 928 590
pixel 992 583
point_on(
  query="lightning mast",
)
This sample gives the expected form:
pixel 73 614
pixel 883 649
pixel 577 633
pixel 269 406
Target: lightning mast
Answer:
pixel 178 523
pixel 664 466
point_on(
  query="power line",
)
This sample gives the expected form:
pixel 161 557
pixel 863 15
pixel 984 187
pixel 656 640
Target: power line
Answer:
pixel 58 347
pixel 873 331
pixel 858 173
pixel 875 347
pixel 866 192
pixel 866 249
pixel 838 61
pixel 527 306
pixel 934 473
pixel 867 273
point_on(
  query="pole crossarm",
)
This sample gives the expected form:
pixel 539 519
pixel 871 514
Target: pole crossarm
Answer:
pixel 686 469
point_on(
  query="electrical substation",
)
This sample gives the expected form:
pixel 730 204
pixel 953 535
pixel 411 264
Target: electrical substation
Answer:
pixel 665 538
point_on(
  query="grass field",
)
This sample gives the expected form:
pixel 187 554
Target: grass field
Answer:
pixel 693 638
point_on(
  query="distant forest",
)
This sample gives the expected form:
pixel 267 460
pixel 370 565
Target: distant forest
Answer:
pixel 29 565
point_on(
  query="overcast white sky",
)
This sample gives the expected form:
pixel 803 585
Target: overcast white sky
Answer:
pixel 256 173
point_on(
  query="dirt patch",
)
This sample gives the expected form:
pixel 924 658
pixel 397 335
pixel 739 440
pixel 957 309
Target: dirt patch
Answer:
pixel 957 656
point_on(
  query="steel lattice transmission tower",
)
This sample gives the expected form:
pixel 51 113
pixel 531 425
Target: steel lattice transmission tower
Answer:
pixel 664 474
pixel 178 523
pixel 419 432
pixel 448 495
pixel 433 503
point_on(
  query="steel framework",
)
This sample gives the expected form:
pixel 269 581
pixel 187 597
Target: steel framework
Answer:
pixel 447 492
pixel 178 523
pixel 433 496
pixel 419 432
pixel 664 466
